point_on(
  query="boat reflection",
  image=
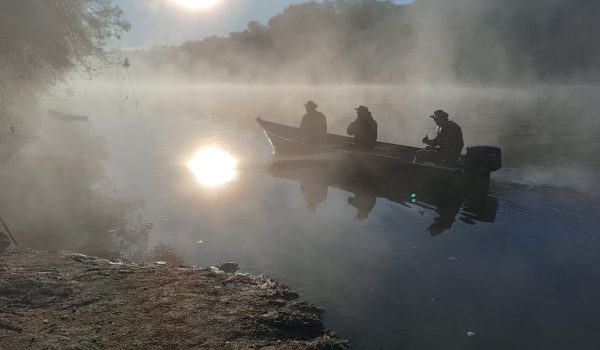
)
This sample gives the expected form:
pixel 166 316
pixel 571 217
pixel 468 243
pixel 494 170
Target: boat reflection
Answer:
pixel 213 167
pixel 315 179
pixel 314 193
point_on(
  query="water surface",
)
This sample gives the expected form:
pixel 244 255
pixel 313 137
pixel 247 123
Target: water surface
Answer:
pixel 515 267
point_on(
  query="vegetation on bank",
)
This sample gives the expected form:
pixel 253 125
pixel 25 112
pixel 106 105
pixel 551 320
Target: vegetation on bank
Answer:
pixel 40 41
pixel 499 41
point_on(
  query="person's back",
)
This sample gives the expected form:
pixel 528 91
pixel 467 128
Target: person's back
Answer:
pixel 364 129
pixel 313 127
pixel 451 140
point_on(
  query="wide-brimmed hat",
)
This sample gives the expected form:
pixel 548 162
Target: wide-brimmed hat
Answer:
pixel 310 103
pixel 361 109
pixel 439 114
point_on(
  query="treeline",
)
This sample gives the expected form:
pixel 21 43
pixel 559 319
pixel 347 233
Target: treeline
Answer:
pixel 378 41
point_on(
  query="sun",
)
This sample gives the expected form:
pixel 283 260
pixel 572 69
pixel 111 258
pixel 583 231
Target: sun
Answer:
pixel 213 167
pixel 197 4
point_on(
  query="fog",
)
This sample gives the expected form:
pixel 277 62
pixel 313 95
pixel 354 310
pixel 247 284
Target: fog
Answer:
pixel 516 74
pixel 429 41
pixel 95 144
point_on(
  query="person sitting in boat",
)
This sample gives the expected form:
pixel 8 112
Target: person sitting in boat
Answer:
pixel 364 129
pixel 313 127
pixel 446 147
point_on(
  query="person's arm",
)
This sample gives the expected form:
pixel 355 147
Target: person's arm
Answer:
pixel 302 131
pixel 352 128
pixel 431 142
pixel 438 138
pixel 323 124
pixel 303 122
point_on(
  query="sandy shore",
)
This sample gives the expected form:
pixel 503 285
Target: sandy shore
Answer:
pixel 60 300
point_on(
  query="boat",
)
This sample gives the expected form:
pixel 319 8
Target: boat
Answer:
pixel 386 160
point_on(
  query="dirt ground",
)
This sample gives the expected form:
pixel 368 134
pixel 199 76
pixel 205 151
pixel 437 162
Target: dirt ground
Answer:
pixel 55 300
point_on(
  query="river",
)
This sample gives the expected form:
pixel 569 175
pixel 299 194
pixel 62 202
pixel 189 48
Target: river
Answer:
pixel 181 173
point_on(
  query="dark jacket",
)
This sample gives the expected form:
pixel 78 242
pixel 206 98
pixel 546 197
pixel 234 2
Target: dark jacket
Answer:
pixel 364 130
pixel 313 127
pixel 449 141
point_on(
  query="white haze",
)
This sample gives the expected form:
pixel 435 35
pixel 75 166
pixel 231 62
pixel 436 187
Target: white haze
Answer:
pixel 60 176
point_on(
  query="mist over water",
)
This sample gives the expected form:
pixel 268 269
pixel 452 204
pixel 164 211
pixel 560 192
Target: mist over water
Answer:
pixel 387 270
pixel 161 159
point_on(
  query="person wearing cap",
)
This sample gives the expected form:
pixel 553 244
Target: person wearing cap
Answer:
pixel 446 147
pixel 364 129
pixel 313 127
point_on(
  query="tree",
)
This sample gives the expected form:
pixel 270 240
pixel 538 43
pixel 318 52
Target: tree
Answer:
pixel 41 40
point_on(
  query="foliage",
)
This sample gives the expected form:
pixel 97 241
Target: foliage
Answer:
pixel 379 41
pixel 55 35
pixel 40 40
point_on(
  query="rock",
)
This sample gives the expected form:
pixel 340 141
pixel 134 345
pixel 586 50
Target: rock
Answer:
pixel 228 267
pixel 286 294
pixel 80 257
pixel 216 270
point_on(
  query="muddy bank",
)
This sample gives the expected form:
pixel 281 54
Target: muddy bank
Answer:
pixel 70 301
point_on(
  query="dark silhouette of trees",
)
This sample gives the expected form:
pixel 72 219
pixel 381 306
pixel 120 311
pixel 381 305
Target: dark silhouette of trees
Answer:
pixel 499 41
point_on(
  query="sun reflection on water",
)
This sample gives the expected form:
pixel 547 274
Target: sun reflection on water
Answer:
pixel 213 167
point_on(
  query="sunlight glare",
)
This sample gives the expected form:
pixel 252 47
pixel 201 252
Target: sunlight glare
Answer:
pixel 197 4
pixel 213 167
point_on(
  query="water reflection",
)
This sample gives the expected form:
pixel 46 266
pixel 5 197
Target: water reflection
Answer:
pixel 54 195
pixel 315 179
pixel 364 202
pixel 163 252
pixel 213 167
pixel 314 194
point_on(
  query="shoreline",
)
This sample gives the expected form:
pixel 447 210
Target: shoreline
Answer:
pixel 61 300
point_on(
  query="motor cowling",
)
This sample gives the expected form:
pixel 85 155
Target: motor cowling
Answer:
pixel 483 158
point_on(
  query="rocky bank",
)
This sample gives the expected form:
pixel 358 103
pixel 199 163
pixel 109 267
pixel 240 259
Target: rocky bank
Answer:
pixel 56 300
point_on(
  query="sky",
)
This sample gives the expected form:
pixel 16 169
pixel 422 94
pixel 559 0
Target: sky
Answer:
pixel 168 22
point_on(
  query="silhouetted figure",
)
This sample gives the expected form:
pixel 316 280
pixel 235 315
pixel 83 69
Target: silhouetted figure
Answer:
pixel 445 148
pixel 364 203
pixel 364 129
pixel 313 127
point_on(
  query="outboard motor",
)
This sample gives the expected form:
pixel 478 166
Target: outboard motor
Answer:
pixel 480 161
pixel 483 159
